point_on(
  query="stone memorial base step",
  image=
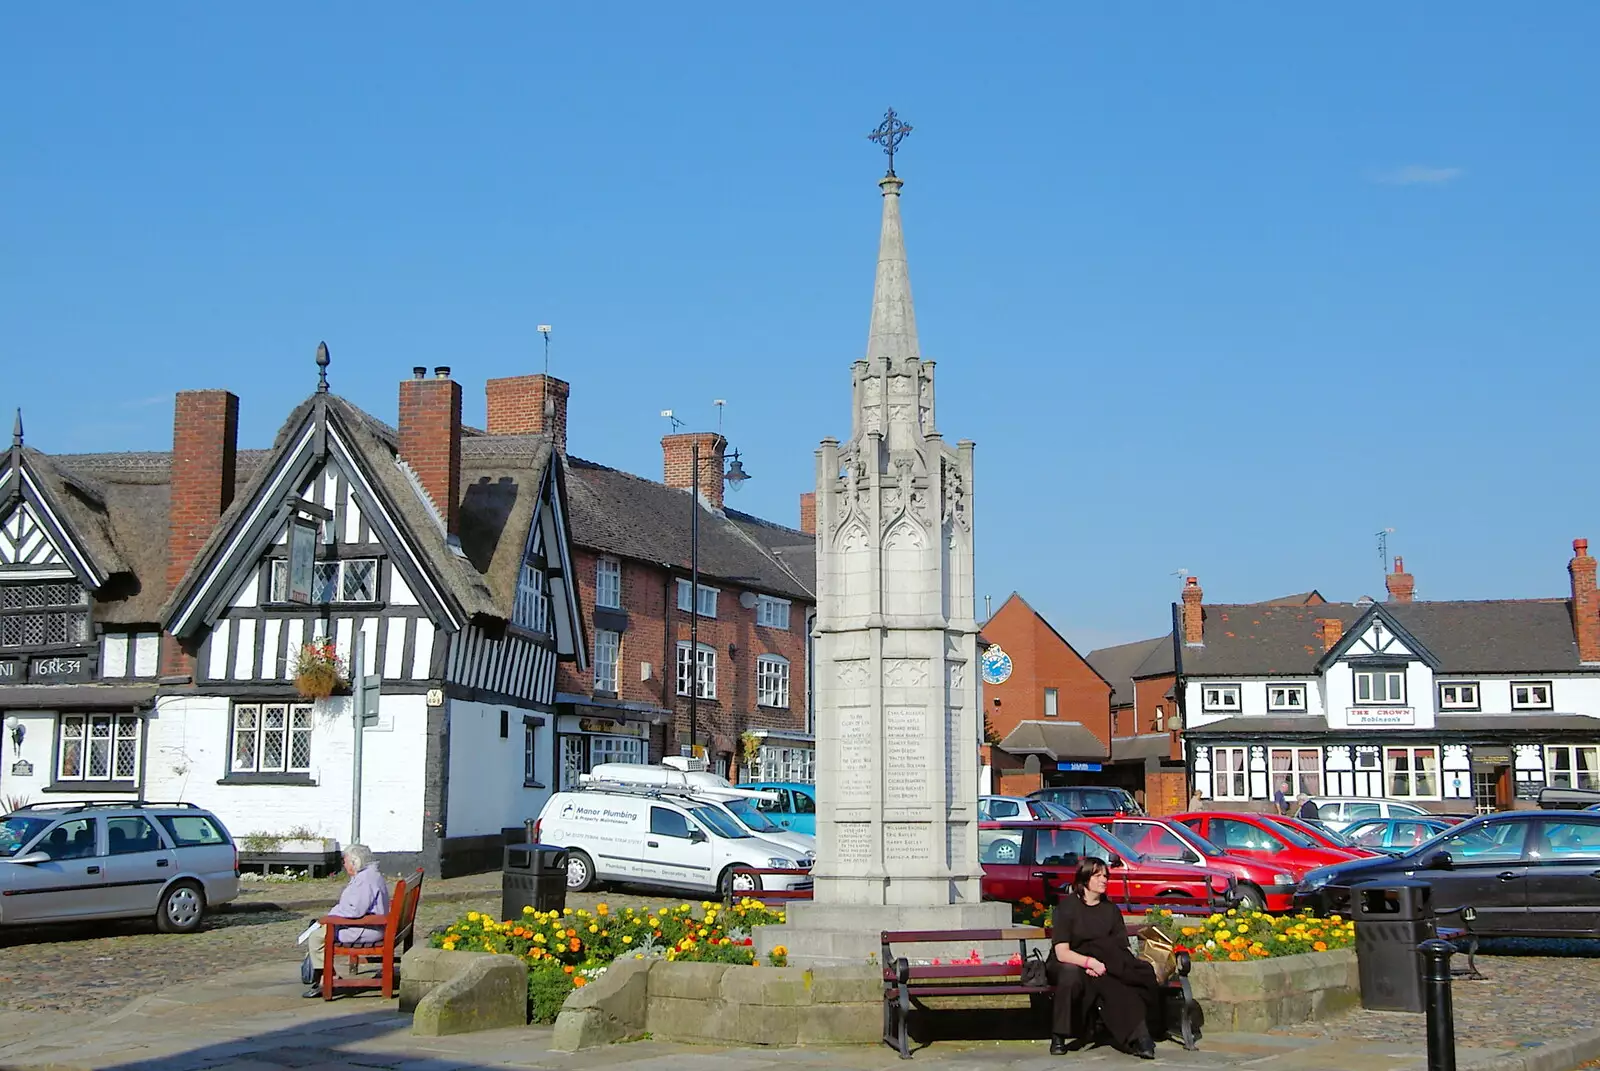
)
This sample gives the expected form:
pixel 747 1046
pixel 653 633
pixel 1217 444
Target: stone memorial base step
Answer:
pixel 841 935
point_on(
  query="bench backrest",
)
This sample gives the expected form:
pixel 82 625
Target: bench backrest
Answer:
pixel 403 908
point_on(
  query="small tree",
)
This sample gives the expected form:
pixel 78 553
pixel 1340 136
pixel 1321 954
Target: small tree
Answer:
pixel 990 737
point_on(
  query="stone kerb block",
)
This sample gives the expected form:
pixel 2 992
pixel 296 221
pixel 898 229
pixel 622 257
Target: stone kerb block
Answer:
pixel 491 993
pixel 613 1007
pixel 423 968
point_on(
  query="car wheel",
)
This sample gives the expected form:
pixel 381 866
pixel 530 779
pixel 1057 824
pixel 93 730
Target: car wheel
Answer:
pixel 580 871
pixel 182 908
pixel 1250 898
pixel 731 883
pixel 1005 852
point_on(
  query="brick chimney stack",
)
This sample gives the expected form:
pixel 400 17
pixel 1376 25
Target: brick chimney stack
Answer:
pixel 430 439
pixel 1193 616
pixel 808 513
pixel 678 468
pixel 529 405
pixel 1330 630
pixel 205 451
pixel 1401 584
pixel 1585 604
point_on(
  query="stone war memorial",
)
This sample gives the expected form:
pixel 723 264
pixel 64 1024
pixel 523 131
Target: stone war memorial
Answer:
pixel 896 649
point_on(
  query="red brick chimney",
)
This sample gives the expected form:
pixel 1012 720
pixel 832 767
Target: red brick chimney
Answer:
pixel 678 468
pixel 529 405
pixel 808 513
pixel 205 451
pixel 1331 631
pixel 1401 584
pixel 1585 605
pixel 1193 616
pixel 430 439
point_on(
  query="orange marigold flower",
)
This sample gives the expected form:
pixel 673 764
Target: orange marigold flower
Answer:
pixel 574 944
pixel 1318 946
pixel 579 981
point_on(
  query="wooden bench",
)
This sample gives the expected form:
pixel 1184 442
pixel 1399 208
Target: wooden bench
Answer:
pixel 905 984
pixel 388 949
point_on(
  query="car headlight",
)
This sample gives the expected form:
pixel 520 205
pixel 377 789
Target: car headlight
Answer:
pixel 1316 879
pixel 778 862
pixel 1283 879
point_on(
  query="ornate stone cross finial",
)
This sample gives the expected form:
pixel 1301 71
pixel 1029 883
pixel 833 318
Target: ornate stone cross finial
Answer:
pixel 890 133
pixel 323 360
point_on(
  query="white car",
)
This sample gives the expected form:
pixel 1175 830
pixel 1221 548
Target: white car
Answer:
pixel 748 815
pixel 1336 812
pixel 656 836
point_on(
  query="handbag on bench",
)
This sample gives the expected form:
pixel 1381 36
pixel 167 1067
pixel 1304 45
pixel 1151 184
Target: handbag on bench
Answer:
pixel 1033 973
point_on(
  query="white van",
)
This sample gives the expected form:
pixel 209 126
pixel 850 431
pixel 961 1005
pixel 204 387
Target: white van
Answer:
pixel 676 777
pixel 659 836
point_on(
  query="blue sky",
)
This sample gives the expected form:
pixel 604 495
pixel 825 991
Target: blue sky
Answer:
pixel 1224 288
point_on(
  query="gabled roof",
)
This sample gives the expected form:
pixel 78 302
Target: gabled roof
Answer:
pixel 1121 664
pixel 615 512
pixel 1057 740
pixel 1015 597
pixel 1357 633
pixel 1511 636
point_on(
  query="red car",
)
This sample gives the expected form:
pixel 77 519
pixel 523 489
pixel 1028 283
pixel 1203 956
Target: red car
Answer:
pixel 1037 859
pixel 1322 836
pixel 1258 837
pixel 1262 884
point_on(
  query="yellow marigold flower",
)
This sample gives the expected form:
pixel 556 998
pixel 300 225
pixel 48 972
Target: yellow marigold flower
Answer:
pixel 1214 918
pixel 779 950
pixel 1165 913
pixel 565 911
pixel 527 910
pixel 472 916
pixel 652 921
pixel 593 928
pixel 627 940
pixel 602 909
pixel 1232 912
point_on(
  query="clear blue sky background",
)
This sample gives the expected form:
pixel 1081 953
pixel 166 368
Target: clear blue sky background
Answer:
pixel 1219 287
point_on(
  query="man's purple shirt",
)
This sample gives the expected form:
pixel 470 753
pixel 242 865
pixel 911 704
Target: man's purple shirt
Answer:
pixel 367 894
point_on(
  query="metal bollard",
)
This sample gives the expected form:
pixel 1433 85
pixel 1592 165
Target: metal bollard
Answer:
pixel 1436 999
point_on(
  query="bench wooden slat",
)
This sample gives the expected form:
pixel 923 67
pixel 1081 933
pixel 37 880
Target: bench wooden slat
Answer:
pixel 975 990
pixel 914 937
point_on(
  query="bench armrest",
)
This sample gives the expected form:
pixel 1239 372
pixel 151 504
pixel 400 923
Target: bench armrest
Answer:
pixel 340 922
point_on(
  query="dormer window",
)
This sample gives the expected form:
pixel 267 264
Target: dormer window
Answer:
pixel 1289 698
pixel 532 608
pixel 1531 695
pixel 1220 698
pixel 345 580
pixel 1458 696
pixel 1380 687
pixel 51 613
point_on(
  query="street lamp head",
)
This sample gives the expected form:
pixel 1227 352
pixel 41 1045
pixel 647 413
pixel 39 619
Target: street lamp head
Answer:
pixel 736 473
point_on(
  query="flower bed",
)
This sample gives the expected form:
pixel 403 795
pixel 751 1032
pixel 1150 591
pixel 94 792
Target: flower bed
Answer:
pixel 1231 935
pixel 568 949
pixel 1242 935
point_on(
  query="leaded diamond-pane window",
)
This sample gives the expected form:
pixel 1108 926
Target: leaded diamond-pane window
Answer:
pixel 272 738
pixel 98 747
pixel 52 613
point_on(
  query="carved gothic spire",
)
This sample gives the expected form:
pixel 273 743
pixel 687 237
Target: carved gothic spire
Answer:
pixel 892 336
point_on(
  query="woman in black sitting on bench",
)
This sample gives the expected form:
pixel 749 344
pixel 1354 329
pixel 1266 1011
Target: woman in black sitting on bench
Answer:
pixel 1090 963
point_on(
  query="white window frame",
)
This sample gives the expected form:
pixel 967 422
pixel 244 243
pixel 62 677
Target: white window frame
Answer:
pixel 1371 678
pixel 1411 774
pixel 1289 698
pixel 707 673
pixel 782 762
pixel 772 681
pixel 530 754
pixel 605 748
pixel 1300 769
pixel 532 608
pixel 278 580
pixel 1052 702
pixel 708 599
pixel 84 730
pixel 1226 769
pixel 299 720
pixel 772 612
pixel 1528 700
pixel 608 584
pixel 1574 775
pixel 607 659
pixel 1451 697
pixel 1215 698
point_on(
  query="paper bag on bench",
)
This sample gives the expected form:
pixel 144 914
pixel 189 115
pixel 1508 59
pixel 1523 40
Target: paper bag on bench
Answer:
pixel 1158 950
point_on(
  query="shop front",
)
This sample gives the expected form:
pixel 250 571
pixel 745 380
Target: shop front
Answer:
pixel 588 735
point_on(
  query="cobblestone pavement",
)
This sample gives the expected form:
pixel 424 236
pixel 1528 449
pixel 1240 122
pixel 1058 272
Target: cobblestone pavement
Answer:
pixel 1533 992
pixel 101 966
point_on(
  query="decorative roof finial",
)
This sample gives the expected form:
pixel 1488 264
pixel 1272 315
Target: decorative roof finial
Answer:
pixel 890 133
pixel 16 429
pixel 323 361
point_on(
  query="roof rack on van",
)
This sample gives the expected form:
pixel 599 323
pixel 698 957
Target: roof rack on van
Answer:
pixel 680 792
pixel 685 782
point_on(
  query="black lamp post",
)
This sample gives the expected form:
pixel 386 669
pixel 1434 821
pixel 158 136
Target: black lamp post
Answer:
pixel 737 475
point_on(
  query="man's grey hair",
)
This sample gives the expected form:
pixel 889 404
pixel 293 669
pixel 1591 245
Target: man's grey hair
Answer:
pixel 360 856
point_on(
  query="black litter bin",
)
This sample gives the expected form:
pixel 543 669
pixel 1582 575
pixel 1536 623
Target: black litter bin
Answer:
pixel 534 875
pixel 1392 918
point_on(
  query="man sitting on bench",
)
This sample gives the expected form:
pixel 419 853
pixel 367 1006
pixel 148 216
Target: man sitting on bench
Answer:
pixel 1090 965
pixel 367 894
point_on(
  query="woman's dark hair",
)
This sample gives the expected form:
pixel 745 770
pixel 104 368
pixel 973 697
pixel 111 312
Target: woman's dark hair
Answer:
pixel 1088 867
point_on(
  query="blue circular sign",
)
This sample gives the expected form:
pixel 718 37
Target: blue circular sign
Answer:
pixel 996 665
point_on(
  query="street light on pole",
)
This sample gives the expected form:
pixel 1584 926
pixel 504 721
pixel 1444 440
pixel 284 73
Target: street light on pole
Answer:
pixel 737 475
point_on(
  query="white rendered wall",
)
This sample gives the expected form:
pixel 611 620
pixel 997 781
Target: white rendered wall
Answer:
pixel 486 792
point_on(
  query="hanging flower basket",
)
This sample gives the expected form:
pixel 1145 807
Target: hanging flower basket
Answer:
pixel 318 670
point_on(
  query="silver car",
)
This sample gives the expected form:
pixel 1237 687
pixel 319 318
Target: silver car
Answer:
pixel 62 862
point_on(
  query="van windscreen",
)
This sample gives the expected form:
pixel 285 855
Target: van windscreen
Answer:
pixel 719 823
